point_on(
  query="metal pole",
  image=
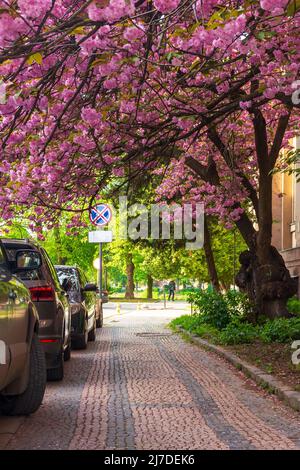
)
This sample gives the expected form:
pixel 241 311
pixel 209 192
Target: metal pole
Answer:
pixel 105 277
pixel 234 258
pixel 100 270
pixel 164 297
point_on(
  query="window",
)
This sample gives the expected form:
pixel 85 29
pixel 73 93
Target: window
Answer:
pixel 51 268
pixel 68 278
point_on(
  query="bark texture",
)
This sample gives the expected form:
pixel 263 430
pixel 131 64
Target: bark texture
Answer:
pixel 149 287
pixel 210 261
pixel 129 293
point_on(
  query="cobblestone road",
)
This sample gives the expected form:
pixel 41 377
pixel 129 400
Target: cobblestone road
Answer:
pixel 141 387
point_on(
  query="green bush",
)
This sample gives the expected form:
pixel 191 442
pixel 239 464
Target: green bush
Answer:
pixel 222 318
pixel 293 306
pixel 211 307
pixel 237 332
pixel 218 309
pixel 238 304
pixel 281 330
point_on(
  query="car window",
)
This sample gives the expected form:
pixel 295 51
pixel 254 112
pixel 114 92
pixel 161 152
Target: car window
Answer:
pixel 68 278
pixel 51 268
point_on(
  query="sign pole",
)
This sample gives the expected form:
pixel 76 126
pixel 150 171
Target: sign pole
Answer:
pixel 100 215
pixel 100 270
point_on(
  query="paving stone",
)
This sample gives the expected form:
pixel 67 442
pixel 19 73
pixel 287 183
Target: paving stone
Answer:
pixel 137 389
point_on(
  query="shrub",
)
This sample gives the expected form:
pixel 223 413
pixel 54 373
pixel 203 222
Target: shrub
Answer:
pixel 238 332
pixel 218 309
pixel 281 330
pixel 211 307
pixel 294 306
pixel 238 304
pixel 222 318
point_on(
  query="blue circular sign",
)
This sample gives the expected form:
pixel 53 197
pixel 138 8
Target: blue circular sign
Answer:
pixel 100 215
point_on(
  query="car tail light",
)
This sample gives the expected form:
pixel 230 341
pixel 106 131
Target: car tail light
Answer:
pixel 48 340
pixel 42 294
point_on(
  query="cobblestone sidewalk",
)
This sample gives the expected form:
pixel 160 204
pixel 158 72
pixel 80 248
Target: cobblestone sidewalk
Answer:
pixel 142 387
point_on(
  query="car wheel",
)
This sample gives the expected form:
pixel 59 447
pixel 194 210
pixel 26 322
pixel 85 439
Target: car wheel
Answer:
pixel 29 401
pixel 99 321
pixel 81 342
pixel 57 374
pixel 92 333
pixel 67 352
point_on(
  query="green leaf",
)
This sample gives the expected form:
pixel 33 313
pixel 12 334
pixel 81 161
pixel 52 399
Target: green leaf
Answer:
pixel 35 58
pixel 80 30
pixel 293 7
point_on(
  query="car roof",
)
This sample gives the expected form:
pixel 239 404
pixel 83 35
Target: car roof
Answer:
pixel 17 242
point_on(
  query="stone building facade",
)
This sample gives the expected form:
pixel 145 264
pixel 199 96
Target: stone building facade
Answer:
pixel 286 219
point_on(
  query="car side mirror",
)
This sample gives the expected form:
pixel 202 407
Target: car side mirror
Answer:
pixel 90 288
pixel 28 260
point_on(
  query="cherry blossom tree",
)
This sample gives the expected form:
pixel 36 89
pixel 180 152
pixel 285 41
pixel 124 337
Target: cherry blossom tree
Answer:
pixel 198 92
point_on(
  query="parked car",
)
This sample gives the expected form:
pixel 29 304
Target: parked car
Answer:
pixel 48 297
pixel 83 302
pixel 22 359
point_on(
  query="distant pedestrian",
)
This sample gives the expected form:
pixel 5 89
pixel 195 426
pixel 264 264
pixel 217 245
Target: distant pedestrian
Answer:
pixel 172 288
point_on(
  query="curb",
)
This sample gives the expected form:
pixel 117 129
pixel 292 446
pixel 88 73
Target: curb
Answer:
pixel 266 381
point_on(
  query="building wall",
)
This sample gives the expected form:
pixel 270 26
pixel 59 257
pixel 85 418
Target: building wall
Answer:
pixel 286 219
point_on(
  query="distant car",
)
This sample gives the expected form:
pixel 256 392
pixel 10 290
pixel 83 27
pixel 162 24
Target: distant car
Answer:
pixel 83 302
pixel 22 359
pixel 49 299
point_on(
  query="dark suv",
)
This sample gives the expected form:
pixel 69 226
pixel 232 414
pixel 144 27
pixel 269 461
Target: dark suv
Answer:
pixel 83 302
pixel 48 297
pixel 22 359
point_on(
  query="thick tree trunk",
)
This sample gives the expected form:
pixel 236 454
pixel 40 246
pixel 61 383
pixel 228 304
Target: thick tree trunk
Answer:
pixel 129 293
pixel 149 287
pixel 268 286
pixel 263 273
pixel 211 266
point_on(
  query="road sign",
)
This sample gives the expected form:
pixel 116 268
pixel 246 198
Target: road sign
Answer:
pixel 100 236
pixel 100 215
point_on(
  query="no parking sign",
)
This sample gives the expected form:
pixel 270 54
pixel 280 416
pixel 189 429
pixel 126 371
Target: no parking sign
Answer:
pixel 100 215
